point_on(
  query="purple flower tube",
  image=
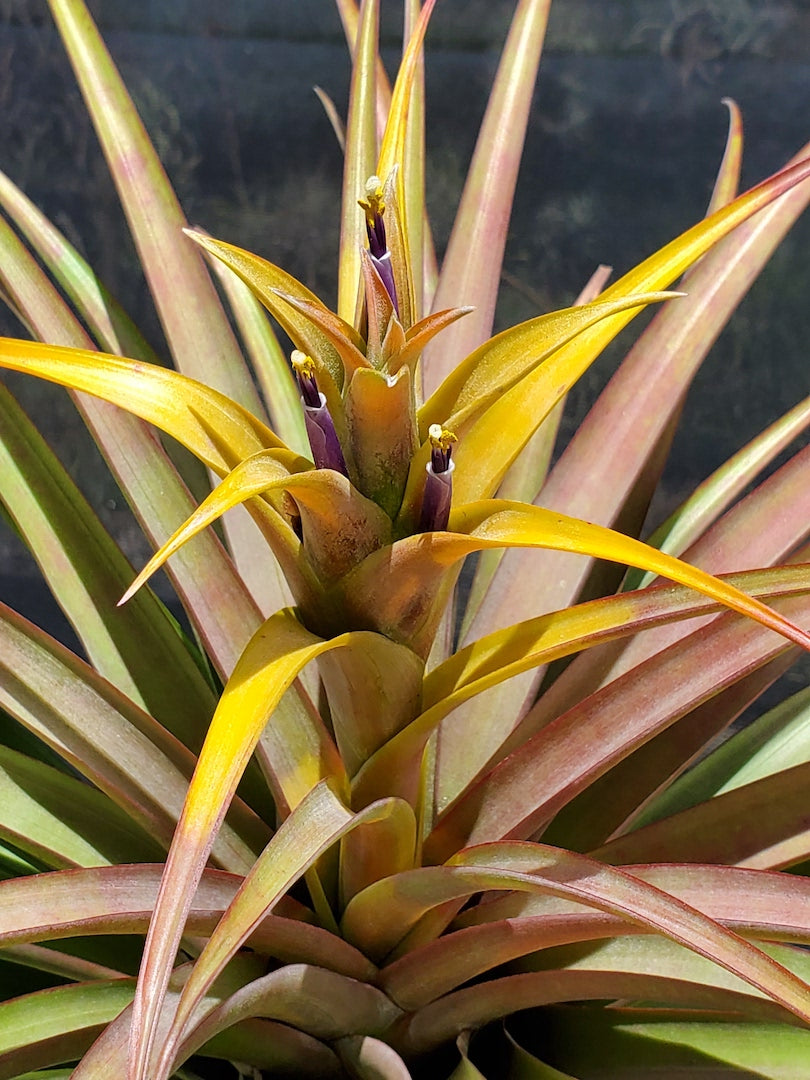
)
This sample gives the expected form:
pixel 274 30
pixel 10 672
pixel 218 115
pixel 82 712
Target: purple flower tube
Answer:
pixel 438 493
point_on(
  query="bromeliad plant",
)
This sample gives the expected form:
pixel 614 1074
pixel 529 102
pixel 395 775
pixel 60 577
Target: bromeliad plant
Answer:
pixel 448 853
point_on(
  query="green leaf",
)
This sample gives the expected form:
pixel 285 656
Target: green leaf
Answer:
pixel 777 740
pixel 636 1042
pixel 762 824
pixel 62 821
pixel 57 1025
pixel 86 572
pixel 112 327
pixel 104 735
pixel 360 159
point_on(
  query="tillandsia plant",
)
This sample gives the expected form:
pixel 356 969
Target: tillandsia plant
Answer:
pixel 360 821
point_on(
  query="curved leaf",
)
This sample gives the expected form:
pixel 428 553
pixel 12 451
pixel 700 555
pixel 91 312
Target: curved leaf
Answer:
pixel 216 429
pixel 754 903
pixel 300 757
pixel 381 916
pixel 399 602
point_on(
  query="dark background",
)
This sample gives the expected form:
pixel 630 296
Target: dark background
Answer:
pixel 626 134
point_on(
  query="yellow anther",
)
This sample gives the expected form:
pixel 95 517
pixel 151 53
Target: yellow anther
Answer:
pixel 441 438
pixel 373 203
pixel 302 363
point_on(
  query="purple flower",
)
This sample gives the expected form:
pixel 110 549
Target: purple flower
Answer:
pixel 374 207
pixel 438 492
pixel 323 440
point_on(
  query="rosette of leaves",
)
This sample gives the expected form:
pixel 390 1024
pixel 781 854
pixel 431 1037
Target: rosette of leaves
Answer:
pixel 448 853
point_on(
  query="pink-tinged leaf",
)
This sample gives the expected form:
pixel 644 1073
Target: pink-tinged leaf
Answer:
pixel 47 958
pixel 332 115
pixel 381 916
pixel 268 360
pixel 764 904
pixel 112 327
pixel 505 653
pixel 350 17
pixel 217 600
pixel 618 799
pixel 371 1059
pixel 195 324
pixel 320 1003
pixel 568 753
pixel 318 821
pixel 360 160
pixel 763 528
pixel 196 327
pixel 106 737
pixel 762 825
pixel 472 266
pixel 727 184
pixel 300 757
pixel 779 739
pixel 478 1005
pixel 120 900
pixel 634 411
pixel 711 498
pixel 108 1054
pixel 757 904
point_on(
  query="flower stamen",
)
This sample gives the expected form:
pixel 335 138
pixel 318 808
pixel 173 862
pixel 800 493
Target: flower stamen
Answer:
pixel 323 440
pixel 374 206
pixel 438 493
